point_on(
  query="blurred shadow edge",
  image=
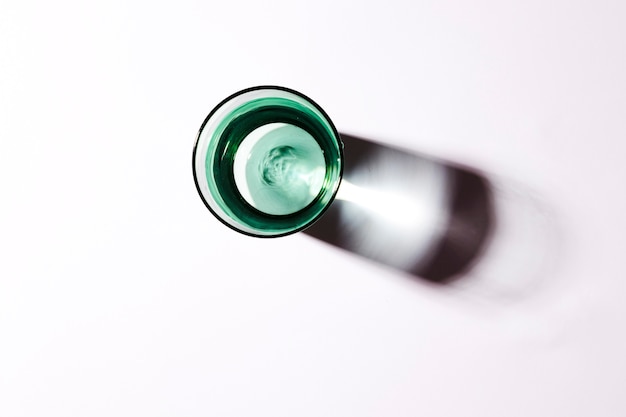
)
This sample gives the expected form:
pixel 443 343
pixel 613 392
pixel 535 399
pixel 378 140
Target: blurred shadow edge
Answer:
pixel 453 242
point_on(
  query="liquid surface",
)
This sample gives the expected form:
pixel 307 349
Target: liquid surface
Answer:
pixel 279 169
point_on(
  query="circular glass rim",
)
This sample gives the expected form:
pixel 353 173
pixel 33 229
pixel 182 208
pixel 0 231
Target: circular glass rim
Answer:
pixel 201 150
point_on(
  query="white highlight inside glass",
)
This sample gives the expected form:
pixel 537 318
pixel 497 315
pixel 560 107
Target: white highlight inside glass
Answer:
pixel 279 168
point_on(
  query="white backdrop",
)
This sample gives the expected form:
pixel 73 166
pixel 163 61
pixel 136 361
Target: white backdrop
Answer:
pixel 121 295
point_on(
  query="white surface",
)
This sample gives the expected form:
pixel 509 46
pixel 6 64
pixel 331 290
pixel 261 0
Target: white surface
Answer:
pixel 121 295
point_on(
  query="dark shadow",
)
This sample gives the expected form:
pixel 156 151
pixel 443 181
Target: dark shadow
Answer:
pixel 426 217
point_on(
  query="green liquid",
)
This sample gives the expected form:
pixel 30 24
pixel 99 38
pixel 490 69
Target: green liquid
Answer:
pixel 279 169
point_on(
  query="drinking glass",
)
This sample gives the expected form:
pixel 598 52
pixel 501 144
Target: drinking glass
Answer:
pixel 267 161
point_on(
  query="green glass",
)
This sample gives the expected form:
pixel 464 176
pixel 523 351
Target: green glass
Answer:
pixel 267 161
